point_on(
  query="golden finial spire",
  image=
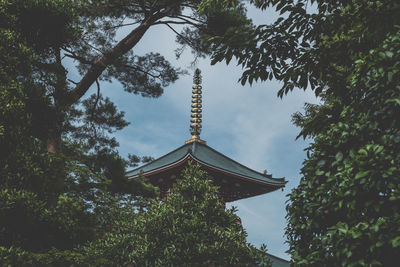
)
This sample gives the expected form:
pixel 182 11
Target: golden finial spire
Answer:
pixel 195 117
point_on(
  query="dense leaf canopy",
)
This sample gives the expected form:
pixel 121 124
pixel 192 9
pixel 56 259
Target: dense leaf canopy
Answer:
pixel 346 210
pixel 189 228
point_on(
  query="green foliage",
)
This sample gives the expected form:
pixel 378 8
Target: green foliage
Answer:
pixel 305 48
pixel 52 203
pixel 189 228
pixel 16 257
pixel 351 180
pixel 29 224
pixel 148 74
pixel 43 24
pixel 346 210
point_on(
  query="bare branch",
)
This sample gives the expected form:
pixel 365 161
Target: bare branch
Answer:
pixel 98 95
pixel 175 22
pixel 71 81
pixel 79 58
pixel 75 56
pixel 92 124
pixel 180 35
pixel 123 25
pixel 93 47
pixel 143 71
pixel 187 17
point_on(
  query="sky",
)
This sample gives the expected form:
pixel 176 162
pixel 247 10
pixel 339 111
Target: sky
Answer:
pixel 249 124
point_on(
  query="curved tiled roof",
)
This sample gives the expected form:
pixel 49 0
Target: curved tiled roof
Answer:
pixel 278 262
pixel 207 156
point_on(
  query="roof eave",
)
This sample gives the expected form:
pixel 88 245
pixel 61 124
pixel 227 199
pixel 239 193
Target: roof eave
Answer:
pixel 189 156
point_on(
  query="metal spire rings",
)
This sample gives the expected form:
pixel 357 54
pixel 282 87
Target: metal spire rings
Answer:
pixel 196 111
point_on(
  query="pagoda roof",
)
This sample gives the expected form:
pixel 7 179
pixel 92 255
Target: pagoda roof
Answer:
pixel 205 155
pixel 278 262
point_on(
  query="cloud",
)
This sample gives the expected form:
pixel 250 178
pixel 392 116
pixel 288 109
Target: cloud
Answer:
pixel 250 124
pixel 261 217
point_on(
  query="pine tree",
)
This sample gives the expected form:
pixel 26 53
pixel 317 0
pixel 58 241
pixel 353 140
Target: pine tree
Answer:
pixel 62 180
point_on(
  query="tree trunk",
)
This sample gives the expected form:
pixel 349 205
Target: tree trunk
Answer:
pixel 105 60
pixel 110 56
pixel 53 141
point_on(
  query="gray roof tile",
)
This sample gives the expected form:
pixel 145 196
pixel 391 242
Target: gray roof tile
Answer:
pixel 208 156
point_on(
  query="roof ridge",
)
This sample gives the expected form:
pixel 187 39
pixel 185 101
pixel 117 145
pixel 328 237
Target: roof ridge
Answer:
pixel 151 162
pixel 262 174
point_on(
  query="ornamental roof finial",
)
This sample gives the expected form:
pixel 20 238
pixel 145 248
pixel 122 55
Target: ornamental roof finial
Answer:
pixel 196 111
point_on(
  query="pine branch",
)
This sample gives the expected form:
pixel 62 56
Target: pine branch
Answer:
pixel 111 55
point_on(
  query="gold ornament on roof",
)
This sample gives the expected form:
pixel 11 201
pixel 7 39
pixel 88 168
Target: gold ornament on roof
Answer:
pixel 196 111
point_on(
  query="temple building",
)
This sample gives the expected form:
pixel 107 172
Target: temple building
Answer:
pixel 235 181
